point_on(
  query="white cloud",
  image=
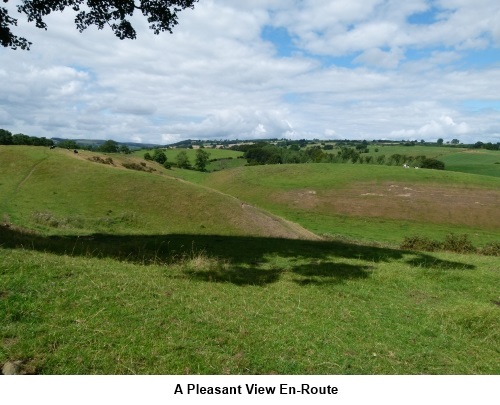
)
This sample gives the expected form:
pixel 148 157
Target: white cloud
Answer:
pixel 216 77
pixel 443 126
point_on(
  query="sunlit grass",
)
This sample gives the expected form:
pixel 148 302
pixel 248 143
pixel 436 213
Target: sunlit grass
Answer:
pixel 432 314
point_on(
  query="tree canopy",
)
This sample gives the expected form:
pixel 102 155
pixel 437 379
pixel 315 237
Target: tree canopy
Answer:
pixel 162 15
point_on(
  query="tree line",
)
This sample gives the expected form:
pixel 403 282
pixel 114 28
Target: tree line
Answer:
pixel 182 160
pixel 263 153
pixel 6 138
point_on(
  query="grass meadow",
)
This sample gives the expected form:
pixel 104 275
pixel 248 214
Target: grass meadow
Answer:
pixel 286 269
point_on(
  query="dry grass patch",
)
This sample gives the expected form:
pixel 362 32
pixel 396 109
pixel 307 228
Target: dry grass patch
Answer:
pixel 474 207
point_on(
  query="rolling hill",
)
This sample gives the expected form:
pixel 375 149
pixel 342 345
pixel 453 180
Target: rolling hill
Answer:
pixel 59 192
pixel 106 269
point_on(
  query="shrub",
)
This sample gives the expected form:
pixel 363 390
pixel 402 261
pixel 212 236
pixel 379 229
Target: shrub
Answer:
pixel 139 167
pixel 452 243
pixel 458 244
pixel 104 161
pixel 420 243
pixel 491 249
pixel 159 156
pixel 429 163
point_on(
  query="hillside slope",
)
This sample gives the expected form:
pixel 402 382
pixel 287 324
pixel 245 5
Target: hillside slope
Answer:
pixel 59 192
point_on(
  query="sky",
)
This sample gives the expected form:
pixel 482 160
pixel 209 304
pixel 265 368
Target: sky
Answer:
pixel 314 69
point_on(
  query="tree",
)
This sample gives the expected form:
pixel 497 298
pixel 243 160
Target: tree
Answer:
pixel 161 15
pixel 455 141
pixel 201 159
pixel 109 146
pixel 183 160
pixel 125 149
pixel 5 137
pixel 159 156
pixel 440 141
pixel 68 144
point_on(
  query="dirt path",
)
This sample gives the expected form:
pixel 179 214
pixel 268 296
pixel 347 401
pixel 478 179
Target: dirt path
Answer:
pixel 254 217
pixel 30 173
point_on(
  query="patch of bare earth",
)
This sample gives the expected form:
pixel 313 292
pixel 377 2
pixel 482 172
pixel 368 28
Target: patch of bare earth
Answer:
pixel 265 224
pixel 472 207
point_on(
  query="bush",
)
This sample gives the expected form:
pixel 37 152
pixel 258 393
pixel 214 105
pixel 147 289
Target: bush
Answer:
pixel 452 243
pixel 104 161
pixel 429 163
pixel 420 243
pixel 159 156
pixel 139 167
pixel 491 249
pixel 458 244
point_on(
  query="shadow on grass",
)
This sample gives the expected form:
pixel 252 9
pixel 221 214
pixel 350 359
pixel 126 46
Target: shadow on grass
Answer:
pixel 249 258
pixel 427 261
pixel 237 275
pixel 330 273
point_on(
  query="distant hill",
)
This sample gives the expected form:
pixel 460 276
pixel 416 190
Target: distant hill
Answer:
pixel 99 142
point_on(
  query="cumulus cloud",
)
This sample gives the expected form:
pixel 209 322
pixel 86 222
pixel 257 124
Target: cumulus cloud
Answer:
pixel 367 68
pixel 443 126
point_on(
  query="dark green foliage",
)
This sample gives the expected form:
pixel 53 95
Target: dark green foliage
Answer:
pixel 68 144
pixel 396 159
pixel 7 37
pixel 348 154
pixel 125 149
pixel 201 159
pixel 429 163
pixel 159 156
pixel 183 160
pixel 147 156
pixel 109 146
pixel 491 146
pixel 5 137
pixel 161 16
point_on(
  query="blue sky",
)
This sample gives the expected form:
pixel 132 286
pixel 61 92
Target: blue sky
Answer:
pixel 360 69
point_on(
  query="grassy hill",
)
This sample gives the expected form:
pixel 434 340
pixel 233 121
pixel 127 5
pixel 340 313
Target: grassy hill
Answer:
pixel 58 192
pixel 108 270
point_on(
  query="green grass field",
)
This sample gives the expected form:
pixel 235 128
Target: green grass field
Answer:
pixel 226 158
pixel 106 270
pixel 474 161
pixel 485 162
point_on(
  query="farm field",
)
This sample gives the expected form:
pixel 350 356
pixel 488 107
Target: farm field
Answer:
pixel 280 269
pixel 483 162
pixel 474 161
pixel 225 158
